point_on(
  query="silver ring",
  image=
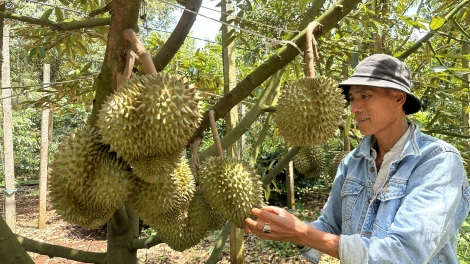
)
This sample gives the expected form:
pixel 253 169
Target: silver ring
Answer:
pixel 266 228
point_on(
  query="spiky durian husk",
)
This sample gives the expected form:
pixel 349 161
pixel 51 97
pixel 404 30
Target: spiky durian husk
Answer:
pixel 157 168
pixel 303 160
pixel 150 115
pixel 110 185
pixel 201 218
pixel 164 204
pixel 231 187
pixel 309 111
pixel 310 161
pixel 87 184
pixel 333 167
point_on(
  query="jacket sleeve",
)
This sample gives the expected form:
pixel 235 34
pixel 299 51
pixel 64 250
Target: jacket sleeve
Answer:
pixel 330 218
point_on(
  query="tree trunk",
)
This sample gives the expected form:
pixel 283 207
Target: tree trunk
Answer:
pixel 44 153
pixel 123 228
pixel 11 251
pixel 10 190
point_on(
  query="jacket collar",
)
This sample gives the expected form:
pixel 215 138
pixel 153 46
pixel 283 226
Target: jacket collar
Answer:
pixel 411 147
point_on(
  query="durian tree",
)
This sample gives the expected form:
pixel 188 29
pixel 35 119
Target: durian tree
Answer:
pixel 97 150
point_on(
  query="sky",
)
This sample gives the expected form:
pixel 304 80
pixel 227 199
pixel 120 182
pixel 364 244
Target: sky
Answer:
pixel 205 28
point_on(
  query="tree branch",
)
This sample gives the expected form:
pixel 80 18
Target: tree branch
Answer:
pixel 146 242
pixel 89 23
pixel 431 33
pixel 60 251
pixel 176 39
pixel 276 62
pixel 279 166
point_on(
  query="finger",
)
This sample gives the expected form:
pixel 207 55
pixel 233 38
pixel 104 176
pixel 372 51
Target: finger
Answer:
pixel 247 230
pixel 256 211
pixel 250 222
pixel 272 209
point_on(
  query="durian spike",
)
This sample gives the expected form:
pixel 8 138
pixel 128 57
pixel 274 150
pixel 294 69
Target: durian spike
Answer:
pixel 311 54
pixel 215 135
pixel 147 64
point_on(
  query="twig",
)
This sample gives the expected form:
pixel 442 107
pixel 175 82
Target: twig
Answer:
pixel 215 134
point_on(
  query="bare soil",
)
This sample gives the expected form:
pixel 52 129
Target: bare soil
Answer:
pixel 62 233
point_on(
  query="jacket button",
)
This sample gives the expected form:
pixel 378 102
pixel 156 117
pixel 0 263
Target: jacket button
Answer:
pixel 371 169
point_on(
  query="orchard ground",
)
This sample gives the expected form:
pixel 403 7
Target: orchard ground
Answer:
pixel 62 233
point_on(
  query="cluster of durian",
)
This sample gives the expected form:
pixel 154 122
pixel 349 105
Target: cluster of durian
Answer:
pixel 334 163
pixel 310 161
pixel 309 111
pixel 138 154
pixel 87 183
pixel 148 122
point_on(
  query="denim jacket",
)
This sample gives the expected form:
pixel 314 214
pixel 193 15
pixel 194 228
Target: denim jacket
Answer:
pixel 414 218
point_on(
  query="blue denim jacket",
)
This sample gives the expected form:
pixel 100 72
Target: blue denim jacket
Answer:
pixel 414 218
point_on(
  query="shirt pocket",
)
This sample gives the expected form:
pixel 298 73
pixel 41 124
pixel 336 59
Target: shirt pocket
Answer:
pixel 390 198
pixel 350 193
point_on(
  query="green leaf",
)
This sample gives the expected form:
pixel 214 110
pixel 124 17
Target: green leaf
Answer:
pixel 46 14
pixel 59 15
pixel 86 68
pixel 436 23
pixel 42 52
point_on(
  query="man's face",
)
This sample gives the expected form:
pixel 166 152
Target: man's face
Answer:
pixel 375 109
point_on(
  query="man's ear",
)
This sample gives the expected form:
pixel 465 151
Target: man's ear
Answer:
pixel 400 97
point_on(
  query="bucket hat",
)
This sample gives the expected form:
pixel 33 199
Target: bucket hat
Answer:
pixel 384 71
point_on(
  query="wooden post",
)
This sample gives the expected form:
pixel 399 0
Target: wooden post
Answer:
pixel 44 153
pixel 10 190
pixel 290 186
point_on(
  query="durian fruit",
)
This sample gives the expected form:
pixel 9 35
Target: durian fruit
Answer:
pixel 231 187
pixel 310 161
pixel 150 115
pixel 309 111
pixel 157 168
pixel 87 184
pixel 333 167
pixel 201 219
pixel 165 204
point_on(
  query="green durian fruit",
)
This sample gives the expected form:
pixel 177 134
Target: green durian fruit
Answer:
pixel 165 204
pixel 310 161
pixel 150 115
pixel 231 187
pixel 333 167
pixel 201 218
pixel 157 168
pixel 87 183
pixel 309 111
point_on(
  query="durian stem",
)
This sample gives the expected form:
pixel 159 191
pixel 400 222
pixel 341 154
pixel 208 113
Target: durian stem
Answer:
pixel 311 54
pixel 147 64
pixel 215 134
pixel 280 166
pixel 60 251
pixel 195 160
pixel 130 61
pixel 216 254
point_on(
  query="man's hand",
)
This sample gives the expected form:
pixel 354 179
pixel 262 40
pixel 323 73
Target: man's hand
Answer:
pixel 281 225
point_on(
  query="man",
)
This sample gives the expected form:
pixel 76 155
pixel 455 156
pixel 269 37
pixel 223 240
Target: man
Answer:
pixel 399 197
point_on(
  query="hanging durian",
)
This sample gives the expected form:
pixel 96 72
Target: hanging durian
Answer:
pixel 87 183
pixel 201 218
pixel 310 161
pixel 150 115
pixel 157 168
pixel 165 204
pixel 231 187
pixel 309 111
pixel 333 167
